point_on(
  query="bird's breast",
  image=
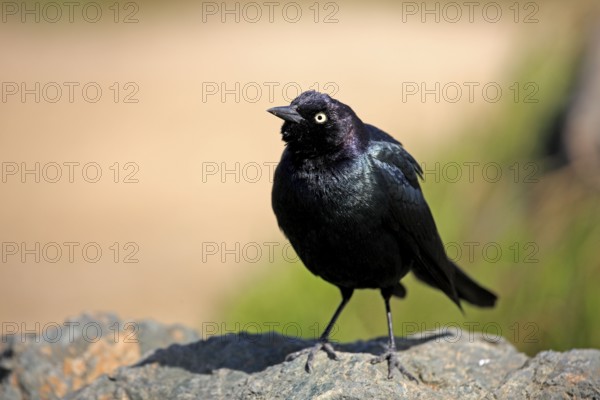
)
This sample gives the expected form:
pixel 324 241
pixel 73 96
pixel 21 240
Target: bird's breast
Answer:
pixel 327 202
pixel 333 219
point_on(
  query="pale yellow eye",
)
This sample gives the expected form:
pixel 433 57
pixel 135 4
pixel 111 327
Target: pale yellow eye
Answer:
pixel 320 118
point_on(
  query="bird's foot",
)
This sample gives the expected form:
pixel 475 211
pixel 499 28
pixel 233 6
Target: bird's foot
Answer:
pixel 393 363
pixel 311 351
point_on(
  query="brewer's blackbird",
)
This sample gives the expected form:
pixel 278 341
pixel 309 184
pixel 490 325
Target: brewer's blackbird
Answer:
pixel 347 196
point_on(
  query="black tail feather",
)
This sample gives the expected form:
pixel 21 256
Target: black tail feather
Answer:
pixel 459 287
pixel 470 291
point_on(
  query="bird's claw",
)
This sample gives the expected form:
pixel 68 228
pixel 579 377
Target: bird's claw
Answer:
pixel 311 351
pixel 393 363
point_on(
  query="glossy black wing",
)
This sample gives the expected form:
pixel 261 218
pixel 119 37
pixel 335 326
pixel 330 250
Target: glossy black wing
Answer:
pixel 408 213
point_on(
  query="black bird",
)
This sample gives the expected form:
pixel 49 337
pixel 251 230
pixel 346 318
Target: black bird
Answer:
pixel 347 196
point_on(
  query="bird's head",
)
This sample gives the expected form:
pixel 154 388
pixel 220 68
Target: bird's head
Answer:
pixel 318 125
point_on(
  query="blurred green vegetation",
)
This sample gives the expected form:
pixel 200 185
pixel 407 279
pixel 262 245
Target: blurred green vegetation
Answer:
pixel 546 223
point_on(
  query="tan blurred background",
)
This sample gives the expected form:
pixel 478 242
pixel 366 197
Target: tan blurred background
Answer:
pixel 168 59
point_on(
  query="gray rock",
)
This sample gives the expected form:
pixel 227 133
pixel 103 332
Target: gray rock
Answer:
pixel 63 358
pixel 573 374
pixel 449 364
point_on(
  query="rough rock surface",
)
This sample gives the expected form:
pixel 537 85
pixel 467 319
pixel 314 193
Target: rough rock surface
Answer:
pixel 65 357
pixel 169 362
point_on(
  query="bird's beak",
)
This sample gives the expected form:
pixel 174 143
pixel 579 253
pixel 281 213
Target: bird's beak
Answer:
pixel 287 113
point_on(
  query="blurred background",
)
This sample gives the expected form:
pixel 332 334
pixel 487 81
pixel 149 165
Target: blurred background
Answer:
pixel 137 159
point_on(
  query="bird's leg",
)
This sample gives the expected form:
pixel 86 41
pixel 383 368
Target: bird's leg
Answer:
pixel 390 355
pixel 323 343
